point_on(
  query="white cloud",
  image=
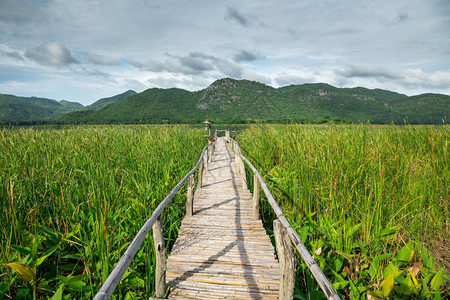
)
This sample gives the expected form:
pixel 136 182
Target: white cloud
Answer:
pixel 233 14
pixel 11 86
pixel 405 79
pixel 22 11
pixel 102 60
pixel 229 68
pixel 416 78
pixel 179 81
pixel 196 63
pixel 288 79
pixel 248 55
pixel 52 54
pixel 400 45
pixel 259 77
pixel 408 81
pixel 15 54
pixel 364 71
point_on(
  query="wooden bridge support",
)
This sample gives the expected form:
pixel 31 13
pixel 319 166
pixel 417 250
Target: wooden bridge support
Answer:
pixel 210 151
pixel 256 187
pixel 242 172
pixel 200 176
pixel 227 135
pixel 286 259
pixel 240 163
pixel 205 161
pixel 160 252
pixel 190 196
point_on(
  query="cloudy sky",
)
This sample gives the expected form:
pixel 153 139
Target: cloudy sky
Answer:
pixel 85 50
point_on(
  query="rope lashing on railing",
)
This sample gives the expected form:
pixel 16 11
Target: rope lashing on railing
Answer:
pixel 116 274
pixel 321 279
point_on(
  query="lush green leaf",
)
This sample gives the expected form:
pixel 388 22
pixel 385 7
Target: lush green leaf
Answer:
pixel 405 253
pixel 22 293
pixel 25 272
pixel 388 284
pixel 58 294
pixel 437 280
pixel 44 256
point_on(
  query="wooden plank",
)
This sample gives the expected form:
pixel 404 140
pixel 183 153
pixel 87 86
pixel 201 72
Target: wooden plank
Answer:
pixel 224 288
pixel 184 270
pixel 193 267
pixel 256 246
pixel 227 280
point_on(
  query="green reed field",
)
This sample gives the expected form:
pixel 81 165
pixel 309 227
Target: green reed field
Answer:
pixel 71 200
pixel 371 202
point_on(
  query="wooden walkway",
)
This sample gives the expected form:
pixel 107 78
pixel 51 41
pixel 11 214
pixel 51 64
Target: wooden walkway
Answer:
pixel 221 252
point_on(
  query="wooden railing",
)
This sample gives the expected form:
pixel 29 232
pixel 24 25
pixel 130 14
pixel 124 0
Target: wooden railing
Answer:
pixel 154 222
pixel 285 235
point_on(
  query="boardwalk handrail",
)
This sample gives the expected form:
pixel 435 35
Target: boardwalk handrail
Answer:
pixel 321 279
pixel 116 274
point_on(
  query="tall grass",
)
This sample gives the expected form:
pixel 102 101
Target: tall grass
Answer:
pixel 72 200
pixel 358 192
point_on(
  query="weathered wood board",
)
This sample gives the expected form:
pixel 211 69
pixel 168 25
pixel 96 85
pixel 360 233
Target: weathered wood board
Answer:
pixel 222 251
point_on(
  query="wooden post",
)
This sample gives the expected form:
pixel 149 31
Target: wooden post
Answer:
pixel 190 197
pixel 205 160
pixel 213 148
pixel 242 171
pixel 227 135
pixel 160 253
pixel 200 175
pixel 210 150
pixel 255 198
pixel 287 260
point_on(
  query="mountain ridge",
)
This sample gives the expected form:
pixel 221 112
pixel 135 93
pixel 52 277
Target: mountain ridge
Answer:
pixel 28 109
pixel 229 100
pixel 101 103
pixel 241 101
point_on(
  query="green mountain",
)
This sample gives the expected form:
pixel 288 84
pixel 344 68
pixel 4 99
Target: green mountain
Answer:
pixel 375 94
pixel 101 103
pixel 151 106
pixel 425 108
pixel 235 101
pixel 239 101
pixel 31 109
